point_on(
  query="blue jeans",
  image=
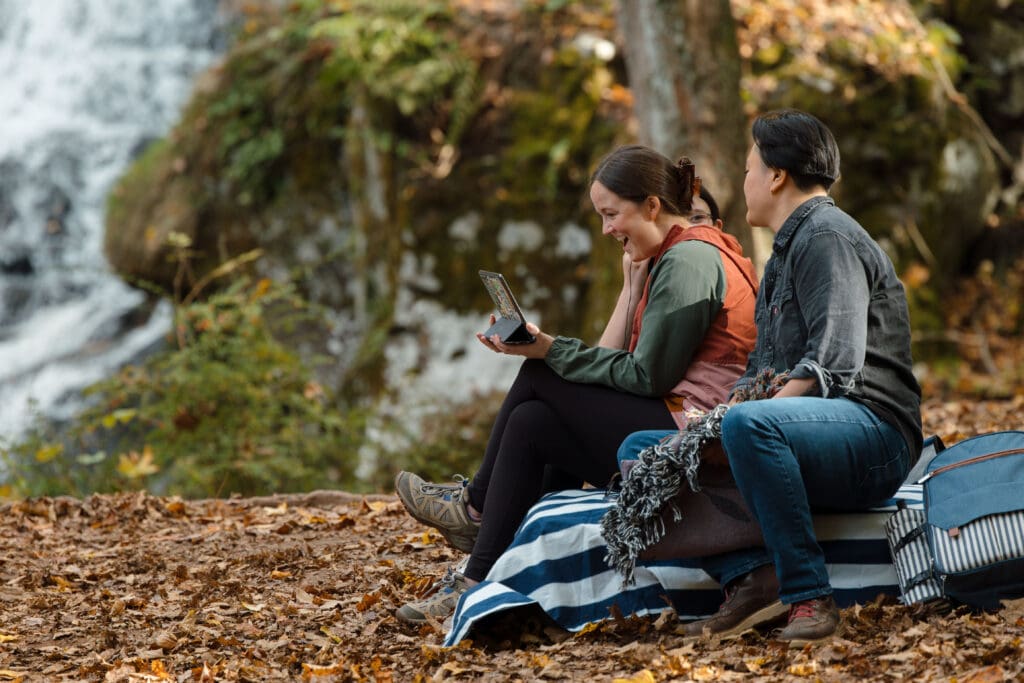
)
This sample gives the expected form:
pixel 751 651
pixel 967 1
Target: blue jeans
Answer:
pixel 630 448
pixel 792 455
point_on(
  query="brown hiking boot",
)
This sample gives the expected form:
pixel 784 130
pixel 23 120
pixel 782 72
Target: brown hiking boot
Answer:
pixel 440 602
pixel 811 621
pixel 442 506
pixel 749 602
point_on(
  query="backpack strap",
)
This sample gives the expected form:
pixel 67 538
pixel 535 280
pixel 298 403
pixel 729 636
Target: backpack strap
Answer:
pixel 912 535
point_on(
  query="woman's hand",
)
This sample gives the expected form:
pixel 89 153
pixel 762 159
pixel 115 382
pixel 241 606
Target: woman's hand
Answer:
pixel 536 349
pixel 634 275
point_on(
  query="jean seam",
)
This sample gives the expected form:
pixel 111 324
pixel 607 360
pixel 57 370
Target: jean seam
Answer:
pixel 805 557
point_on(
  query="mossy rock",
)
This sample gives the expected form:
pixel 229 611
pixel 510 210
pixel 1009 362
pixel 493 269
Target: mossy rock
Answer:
pixel 293 145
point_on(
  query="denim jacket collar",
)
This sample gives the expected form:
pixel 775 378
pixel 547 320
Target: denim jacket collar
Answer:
pixel 788 229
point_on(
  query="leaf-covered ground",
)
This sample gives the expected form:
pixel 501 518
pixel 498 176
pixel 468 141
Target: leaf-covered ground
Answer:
pixel 140 588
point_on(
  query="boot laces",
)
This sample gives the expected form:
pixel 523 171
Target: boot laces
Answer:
pixel 448 580
pixel 455 489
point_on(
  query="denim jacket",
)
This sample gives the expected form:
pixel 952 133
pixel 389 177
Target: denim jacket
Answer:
pixel 831 308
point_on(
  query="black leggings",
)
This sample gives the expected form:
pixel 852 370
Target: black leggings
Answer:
pixel 550 434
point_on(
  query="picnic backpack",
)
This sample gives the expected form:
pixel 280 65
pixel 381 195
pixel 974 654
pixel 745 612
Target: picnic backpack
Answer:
pixel 967 543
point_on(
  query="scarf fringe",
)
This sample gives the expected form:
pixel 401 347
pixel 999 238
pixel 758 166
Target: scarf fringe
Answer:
pixel 635 522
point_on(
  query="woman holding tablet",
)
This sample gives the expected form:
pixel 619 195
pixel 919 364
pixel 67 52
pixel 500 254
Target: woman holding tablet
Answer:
pixel 678 339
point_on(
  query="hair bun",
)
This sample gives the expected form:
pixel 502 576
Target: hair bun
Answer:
pixel 689 182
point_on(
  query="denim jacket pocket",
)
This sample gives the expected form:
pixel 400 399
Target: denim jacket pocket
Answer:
pixel 787 328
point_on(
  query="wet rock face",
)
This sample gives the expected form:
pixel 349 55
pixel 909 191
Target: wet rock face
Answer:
pixel 8 212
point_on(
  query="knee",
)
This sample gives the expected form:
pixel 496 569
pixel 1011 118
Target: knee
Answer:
pixel 631 446
pixel 738 417
pixel 527 418
pixel 743 423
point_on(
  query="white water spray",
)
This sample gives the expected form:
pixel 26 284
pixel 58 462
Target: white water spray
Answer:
pixel 84 86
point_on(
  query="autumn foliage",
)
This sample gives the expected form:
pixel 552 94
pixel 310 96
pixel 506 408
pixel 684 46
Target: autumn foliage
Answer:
pixel 133 587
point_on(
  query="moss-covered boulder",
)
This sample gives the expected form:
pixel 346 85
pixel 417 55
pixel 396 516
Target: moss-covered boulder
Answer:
pixel 372 147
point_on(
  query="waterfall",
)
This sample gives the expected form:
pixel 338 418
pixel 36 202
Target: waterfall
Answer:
pixel 84 86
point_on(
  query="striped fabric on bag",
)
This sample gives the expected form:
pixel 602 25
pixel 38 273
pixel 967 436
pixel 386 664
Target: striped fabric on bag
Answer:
pixel 985 541
pixel 912 557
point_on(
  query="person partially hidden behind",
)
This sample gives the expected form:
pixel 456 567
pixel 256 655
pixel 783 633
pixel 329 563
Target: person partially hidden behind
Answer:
pixel 677 339
pixel 845 429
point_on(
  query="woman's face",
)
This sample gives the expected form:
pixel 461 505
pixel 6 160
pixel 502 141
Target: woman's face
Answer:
pixel 757 189
pixel 630 223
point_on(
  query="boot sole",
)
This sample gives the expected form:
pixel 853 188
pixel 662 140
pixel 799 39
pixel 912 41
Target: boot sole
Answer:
pixel 800 643
pixel 765 615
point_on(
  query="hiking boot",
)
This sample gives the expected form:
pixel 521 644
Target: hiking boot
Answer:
pixel 749 602
pixel 811 621
pixel 442 506
pixel 440 602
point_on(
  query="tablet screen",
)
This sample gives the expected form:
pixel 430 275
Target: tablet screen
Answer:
pixel 501 294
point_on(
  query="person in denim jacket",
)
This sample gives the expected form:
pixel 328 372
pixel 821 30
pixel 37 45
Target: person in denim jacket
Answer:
pixel 845 429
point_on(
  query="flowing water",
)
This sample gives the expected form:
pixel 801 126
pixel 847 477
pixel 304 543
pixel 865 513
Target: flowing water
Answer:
pixel 84 86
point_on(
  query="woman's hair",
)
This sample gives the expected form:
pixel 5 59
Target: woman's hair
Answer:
pixel 635 172
pixel 713 209
pixel 800 144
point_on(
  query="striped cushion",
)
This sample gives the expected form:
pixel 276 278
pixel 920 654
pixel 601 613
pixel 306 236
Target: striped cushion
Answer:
pixel 556 561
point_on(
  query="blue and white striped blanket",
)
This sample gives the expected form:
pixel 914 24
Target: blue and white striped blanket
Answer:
pixel 556 561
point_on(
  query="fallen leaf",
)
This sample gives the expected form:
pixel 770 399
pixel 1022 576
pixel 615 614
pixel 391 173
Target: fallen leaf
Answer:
pixel 158 669
pixel 368 601
pixel 135 465
pixel 706 673
pixel 314 519
pixel 327 632
pixel 310 670
pixel 175 507
pixel 803 669
pixel 165 640
pixel 990 674
pixel 279 510
pixel 1013 611
pixel 904 656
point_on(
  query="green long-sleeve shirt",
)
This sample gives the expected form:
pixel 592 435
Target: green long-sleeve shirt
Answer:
pixel 687 290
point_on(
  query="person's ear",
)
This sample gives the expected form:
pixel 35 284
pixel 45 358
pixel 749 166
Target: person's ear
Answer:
pixel 719 224
pixel 652 207
pixel 779 178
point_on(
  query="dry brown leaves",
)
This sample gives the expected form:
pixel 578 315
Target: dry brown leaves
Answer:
pixel 141 588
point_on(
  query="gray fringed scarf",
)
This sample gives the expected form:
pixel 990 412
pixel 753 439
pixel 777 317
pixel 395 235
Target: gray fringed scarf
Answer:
pixel 634 523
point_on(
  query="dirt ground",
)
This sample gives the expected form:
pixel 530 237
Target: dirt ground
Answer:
pixel 303 587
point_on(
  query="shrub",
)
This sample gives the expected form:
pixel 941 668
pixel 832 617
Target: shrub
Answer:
pixel 228 408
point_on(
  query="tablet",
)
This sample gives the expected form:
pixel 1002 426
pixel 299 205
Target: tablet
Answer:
pixel 510 325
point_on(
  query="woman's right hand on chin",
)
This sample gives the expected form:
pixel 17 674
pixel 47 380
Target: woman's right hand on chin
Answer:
pixel 634 273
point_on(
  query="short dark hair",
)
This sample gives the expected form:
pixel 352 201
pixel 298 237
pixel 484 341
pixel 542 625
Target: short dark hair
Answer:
pixel 800 144
pixel 636 172
pixel 705 194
